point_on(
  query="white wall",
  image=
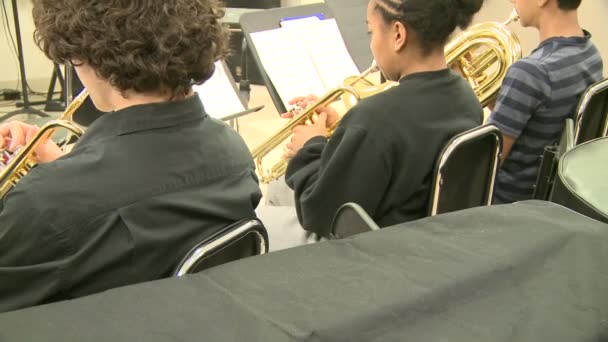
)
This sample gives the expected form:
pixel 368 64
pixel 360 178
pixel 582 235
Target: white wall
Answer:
pixel 37 65
pixel 593 15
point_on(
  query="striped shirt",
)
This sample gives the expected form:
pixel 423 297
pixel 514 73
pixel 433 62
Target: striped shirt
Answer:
pixel 538 93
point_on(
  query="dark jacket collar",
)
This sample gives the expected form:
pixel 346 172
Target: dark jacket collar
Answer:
pixel 146 117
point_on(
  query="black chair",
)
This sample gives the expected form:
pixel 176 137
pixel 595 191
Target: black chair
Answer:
pixel 239 240
pixel 581 182
pixel 465 171
pixel 550 158
pixel 592 113
pixel 351 219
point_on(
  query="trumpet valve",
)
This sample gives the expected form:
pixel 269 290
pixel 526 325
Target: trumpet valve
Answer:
pixel 5 157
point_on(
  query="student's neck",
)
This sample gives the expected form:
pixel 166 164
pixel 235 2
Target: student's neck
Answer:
pixel 133 99
pixel 560 24
pixel 433 62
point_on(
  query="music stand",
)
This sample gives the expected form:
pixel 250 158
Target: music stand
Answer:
pixel 271 19
pixel 350 16
pixel 229 105
pixel 27 109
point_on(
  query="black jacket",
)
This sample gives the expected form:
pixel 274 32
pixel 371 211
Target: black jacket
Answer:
pixel 138 190
pixel 383 151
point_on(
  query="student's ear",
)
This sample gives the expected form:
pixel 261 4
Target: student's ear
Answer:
pixel 399 35
pixel 543 3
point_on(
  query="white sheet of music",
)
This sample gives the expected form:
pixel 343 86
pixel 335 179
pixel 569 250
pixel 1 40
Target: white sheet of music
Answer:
pixel 218 94
pixel 304 57
pixel 323 40
pixel 288 64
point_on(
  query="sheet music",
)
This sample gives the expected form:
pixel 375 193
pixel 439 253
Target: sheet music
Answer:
pixel 323 40
pixel 219 95
pixel 300 22
pixel 288 64
pixel 306 56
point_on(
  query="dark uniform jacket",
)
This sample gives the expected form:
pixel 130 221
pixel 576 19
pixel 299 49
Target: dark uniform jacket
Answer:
pixel 383 151
pixel 138 190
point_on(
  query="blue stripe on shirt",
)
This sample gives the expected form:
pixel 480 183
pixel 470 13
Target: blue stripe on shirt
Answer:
pixel 539 92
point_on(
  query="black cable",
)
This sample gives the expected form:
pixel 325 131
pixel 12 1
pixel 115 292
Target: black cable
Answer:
pixel 8 29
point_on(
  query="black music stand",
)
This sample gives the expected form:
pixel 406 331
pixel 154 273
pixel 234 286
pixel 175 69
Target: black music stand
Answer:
pixel 57 77
pixel 27 105
pixel 349 14
pixel 268 20
pixel 351 17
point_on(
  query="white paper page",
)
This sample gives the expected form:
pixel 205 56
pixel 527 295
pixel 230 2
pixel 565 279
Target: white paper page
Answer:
pixel 288 64
pixel 328 52
pixel 300 22
pixel 218 95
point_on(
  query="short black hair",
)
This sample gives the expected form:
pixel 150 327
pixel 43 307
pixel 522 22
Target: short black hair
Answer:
pixel 568 5
pixel 433 21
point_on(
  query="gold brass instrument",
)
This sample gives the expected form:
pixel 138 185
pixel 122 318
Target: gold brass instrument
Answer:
pixel 482 53
pixel 16 165
pixel 354 87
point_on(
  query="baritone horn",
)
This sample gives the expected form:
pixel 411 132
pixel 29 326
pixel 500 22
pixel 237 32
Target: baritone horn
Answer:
pixel 482 54
pixel 14 166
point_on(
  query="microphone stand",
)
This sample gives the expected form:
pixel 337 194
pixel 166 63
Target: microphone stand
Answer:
pixel 27 108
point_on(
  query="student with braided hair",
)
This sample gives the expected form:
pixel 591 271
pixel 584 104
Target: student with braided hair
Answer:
pixel 383 151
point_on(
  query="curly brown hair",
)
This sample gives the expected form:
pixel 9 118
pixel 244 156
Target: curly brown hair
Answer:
pixel 148 46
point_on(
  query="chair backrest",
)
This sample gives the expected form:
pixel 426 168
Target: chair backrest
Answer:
pixel 548 165
pixel 591 119
pixel 580 181
pixel 239 240
pixel 351 219
pixel 465 171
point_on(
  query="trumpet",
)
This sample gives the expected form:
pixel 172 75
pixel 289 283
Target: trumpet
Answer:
pixel 353 89
pixel 482 54
pixel 14 166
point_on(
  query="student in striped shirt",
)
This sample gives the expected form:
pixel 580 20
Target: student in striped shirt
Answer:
pixel 540 91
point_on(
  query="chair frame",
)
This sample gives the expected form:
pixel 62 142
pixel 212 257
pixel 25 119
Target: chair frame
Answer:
pixel 551 156
pixel 593 90
pixel 452 145
pixel 218 241
pixel 363 215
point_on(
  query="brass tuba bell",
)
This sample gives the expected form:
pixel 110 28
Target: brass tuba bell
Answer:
pixel 16 165
pixel 482 54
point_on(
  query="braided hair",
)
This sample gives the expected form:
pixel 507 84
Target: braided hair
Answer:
pixel 432 21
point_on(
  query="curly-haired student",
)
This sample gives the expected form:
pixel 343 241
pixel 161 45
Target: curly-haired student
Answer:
pixel 148 179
